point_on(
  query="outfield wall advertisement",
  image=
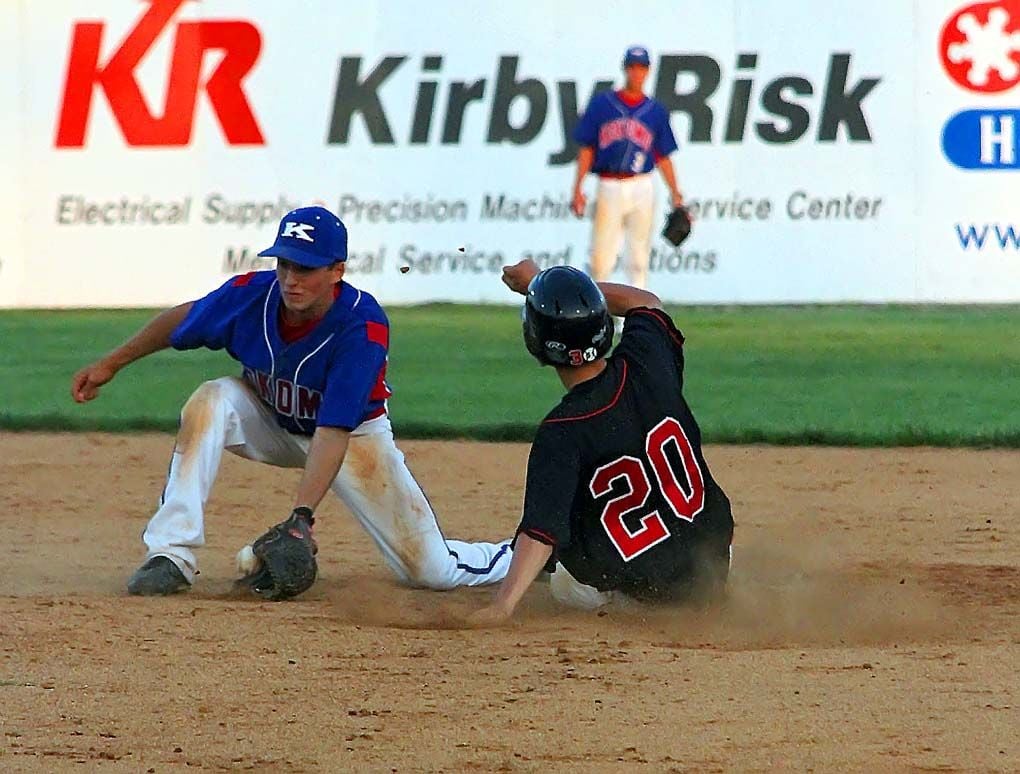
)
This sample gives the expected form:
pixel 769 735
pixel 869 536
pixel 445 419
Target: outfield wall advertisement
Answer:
pixel 865 152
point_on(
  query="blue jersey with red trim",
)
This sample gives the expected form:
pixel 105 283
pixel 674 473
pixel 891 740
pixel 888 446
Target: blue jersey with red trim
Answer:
pixel 334 376
pixel 628 139
pixel 617 482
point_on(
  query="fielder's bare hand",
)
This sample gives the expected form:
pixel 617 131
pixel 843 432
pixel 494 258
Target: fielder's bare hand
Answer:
pixel 86 383
pixel 520 275
pixel 153 337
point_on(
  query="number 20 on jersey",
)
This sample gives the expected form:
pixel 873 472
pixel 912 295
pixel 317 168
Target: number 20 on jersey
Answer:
pixel 686 502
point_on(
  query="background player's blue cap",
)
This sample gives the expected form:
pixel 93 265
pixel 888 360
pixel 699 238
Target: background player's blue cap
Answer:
pixel 637 55
pixel 310 236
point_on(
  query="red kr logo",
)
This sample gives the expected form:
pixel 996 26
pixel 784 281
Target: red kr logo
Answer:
pixel 239 40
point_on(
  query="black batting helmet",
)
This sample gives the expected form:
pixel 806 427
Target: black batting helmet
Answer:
pixel 566 320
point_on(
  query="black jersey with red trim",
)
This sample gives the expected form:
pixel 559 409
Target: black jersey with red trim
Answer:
pixel 617 482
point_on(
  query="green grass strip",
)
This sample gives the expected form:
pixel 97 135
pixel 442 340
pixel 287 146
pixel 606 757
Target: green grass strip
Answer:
pixel 848 376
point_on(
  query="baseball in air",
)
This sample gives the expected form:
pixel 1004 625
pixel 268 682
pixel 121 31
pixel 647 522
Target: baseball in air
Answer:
pixel 405 269
pixel 247 562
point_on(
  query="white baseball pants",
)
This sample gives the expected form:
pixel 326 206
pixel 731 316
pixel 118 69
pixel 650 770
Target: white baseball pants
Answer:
pixel 374 483
pixel 624 205
pixel 569 591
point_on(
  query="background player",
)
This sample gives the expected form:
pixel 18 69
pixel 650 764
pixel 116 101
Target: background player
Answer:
pixel 618 490
pixel 624 134
pixel 313 395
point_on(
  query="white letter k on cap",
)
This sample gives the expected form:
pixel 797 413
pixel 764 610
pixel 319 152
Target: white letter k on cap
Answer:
pixel 298 231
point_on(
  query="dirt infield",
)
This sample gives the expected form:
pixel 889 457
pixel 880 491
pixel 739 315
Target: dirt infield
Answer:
pixel 873 624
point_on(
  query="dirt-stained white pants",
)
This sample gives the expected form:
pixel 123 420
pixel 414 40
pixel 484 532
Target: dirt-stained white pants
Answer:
pixel 624 205
pixel 570 591
pixel 374 483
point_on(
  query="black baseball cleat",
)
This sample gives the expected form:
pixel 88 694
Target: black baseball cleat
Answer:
pixel 158 577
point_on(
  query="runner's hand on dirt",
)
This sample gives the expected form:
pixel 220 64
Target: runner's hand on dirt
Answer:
pixel 487 617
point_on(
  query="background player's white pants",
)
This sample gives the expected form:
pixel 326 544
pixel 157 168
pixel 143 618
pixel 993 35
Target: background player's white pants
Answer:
pixel 374 483
pixel 623 206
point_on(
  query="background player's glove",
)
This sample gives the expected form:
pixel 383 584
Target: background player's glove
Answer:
pixel 678 226
pixel 286 558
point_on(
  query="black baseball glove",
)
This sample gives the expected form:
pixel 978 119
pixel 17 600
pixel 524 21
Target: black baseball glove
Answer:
pixel 678 226
pixel 286 555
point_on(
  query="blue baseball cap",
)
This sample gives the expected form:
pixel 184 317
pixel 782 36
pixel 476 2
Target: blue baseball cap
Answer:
pixel 310 236
pixel 636 55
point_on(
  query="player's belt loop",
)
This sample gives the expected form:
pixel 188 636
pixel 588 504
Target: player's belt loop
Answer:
pixel 375 414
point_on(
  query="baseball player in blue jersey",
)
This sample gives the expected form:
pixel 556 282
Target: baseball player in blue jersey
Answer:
pixel 624 135
pixel 312 395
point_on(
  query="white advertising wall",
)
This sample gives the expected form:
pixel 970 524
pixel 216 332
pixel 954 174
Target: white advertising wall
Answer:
pixel 831 152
